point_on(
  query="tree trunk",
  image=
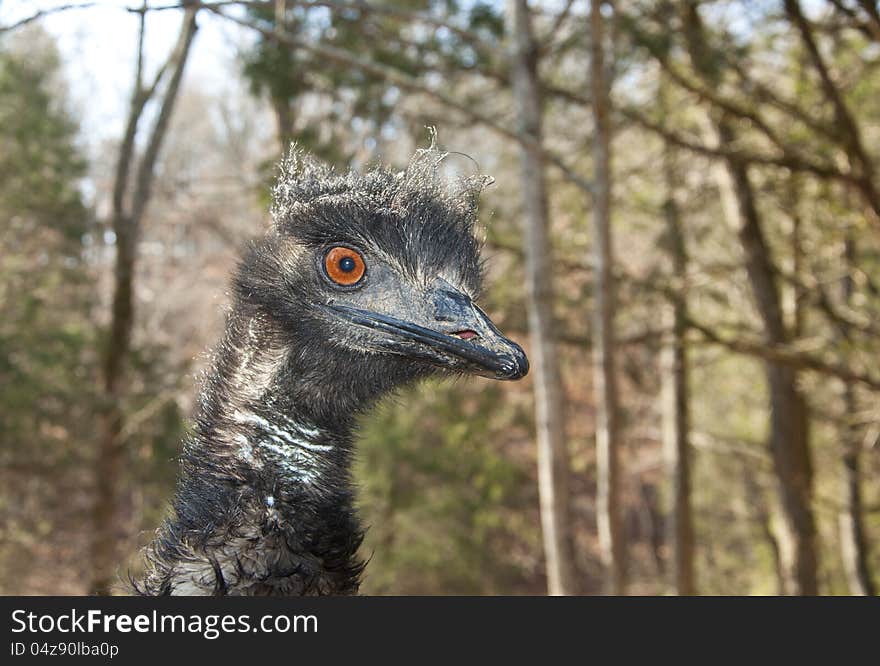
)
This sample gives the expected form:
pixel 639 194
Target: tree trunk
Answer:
pixel 609 509
pixel 284 119
pixel 757 504
pixel 853 538
pixel 108 530
pixel 109 465
pixel 798 292
pixel 789 421
pixel 553 468
pixel 676 403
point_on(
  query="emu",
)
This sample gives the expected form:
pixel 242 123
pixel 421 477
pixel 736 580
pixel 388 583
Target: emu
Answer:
pixel 363 284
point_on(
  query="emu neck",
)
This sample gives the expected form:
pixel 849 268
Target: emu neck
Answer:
pixel 261 370
pixel 271 411
pixel 264 504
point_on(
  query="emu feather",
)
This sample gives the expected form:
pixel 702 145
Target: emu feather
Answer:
pixel 264 502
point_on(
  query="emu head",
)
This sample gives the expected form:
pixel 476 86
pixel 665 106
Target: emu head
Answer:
pixel 375 276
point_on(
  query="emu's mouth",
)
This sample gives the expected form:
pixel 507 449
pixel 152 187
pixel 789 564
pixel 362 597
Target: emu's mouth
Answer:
pixel 456 335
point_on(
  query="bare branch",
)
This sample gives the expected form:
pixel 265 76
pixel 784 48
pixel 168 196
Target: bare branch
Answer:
pixel 36 16
pixel 786 355
pixel 126 148
pixel 854 146
pixel 177 62
pixel 139 67
pixel 870 7
pixel 784 160
pixel 766 94
pixel 362 6
pixel 560 20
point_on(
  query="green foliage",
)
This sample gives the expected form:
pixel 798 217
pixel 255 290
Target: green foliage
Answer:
pixel 444 505
pixel 447 472
pixel 47 341
pixel 395 41
pixel 50 384
pixel 44 327
pixel 40 164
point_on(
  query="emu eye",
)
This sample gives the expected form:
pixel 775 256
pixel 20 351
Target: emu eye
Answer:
pixel 344 266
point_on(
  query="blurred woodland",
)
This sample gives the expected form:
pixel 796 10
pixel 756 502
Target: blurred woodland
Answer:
pixel 683 233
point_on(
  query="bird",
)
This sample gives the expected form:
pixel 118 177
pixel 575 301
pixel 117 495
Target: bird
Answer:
pixel 365 282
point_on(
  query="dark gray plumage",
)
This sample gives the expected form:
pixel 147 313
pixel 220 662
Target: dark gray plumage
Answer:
pixel 264 502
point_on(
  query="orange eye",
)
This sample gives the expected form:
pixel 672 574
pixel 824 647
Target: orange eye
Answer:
pixel 344 266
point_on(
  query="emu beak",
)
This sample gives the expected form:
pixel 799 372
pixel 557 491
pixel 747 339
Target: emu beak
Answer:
pixel 449 331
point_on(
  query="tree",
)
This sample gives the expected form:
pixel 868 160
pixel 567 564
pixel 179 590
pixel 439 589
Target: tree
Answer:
pixel 789 422
pixel 676 396
pixel 288 64
pixel 853 535
pixel 789 416
pixel 849 132
pixel 47 370
pixel 130 200
pixel 734 169
pixel 609 502
pixel 553 472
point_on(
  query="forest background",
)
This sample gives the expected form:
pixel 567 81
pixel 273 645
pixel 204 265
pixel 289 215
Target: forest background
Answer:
pixel 683 232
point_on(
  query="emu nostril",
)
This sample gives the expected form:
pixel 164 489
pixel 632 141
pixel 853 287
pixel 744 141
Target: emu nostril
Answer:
pixel 465 335
pixel 451 306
